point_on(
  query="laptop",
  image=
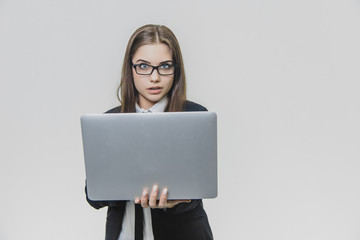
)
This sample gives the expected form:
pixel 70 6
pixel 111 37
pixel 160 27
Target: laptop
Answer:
pixel 126 152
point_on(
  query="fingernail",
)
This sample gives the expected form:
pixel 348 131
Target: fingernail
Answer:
pixel 155 188
pixel 137 200
pixel 165 191
pixel 144 193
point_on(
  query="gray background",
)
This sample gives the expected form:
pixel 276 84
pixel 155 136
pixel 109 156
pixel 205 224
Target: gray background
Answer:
pixel 283 77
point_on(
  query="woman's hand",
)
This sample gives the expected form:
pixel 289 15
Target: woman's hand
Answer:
pixel 152 202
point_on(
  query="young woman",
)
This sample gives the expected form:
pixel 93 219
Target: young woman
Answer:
pixel 153 80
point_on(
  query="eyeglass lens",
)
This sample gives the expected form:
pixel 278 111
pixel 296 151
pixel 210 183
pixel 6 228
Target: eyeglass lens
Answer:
pixel 145 69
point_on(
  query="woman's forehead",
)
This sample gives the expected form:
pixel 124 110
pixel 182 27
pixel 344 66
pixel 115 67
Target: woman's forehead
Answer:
pixel 153 53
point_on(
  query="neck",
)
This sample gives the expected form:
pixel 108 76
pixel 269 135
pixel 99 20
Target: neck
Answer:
pixel 146 104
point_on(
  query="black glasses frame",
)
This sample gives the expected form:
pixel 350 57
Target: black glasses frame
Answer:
pixel 153 68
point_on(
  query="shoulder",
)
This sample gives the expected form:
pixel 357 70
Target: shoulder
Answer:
pixel 191 107
pixel 114 110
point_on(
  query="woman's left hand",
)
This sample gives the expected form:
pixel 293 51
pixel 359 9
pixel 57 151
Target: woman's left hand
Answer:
pixel 151 201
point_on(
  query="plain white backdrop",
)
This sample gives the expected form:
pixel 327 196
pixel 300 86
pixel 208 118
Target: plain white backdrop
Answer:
pixel 283 77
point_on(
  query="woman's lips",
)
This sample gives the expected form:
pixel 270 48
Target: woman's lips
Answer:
pixel 154 90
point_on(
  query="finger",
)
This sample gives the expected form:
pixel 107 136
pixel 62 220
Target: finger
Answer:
pixel 153 196
pixel 145 198
pixel 137 200
pixel 163 198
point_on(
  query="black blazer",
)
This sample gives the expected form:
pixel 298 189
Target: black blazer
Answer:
pixel 185 221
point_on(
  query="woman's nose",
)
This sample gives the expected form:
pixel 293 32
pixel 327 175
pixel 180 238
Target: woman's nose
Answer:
pixel 155 76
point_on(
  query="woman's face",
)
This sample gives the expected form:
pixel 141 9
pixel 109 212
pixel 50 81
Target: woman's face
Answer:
pixel 154 87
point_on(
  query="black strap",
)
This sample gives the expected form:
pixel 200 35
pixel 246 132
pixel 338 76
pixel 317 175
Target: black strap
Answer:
pixel 139 221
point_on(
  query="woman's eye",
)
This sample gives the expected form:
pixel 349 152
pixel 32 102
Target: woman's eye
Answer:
pixel 143 66
pixel 165 66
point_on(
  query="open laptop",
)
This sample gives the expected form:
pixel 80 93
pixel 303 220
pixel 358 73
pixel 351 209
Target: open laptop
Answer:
pixel 129 151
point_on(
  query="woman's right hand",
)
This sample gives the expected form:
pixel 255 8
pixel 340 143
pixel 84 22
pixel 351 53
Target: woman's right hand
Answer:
pixel 150 199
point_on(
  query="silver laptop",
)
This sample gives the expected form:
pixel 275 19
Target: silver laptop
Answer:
pixel 129 151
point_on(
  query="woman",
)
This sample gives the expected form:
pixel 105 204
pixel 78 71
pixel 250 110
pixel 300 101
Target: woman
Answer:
pixel 153 80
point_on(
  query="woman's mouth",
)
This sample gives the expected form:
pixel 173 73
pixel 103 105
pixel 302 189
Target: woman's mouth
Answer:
pixel 154 90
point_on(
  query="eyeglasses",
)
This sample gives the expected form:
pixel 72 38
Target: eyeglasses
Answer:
pixel 146 69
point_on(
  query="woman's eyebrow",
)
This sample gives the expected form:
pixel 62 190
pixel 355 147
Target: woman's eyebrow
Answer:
pixel 141 60
pixel 167 61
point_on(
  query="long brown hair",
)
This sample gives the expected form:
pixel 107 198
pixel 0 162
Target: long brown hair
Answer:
pixel 152 34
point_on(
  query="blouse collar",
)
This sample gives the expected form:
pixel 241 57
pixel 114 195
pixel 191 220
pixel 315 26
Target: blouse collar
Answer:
pixel 158 107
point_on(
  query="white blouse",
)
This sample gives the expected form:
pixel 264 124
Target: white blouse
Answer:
pixel 128 225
